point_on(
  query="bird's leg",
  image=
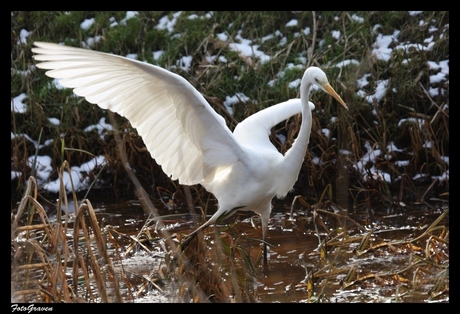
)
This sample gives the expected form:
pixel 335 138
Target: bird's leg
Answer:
pixel 219 216
pixel 192 235
pixel 265 253
pixel 265 217
pixel 264 238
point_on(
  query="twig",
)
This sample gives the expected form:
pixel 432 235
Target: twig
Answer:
pixel 439 108
pixel 312 48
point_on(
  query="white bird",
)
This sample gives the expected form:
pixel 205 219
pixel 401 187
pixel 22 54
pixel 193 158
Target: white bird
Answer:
pixel 182 132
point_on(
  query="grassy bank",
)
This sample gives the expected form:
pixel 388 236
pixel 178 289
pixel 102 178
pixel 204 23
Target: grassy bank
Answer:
pixel 406 116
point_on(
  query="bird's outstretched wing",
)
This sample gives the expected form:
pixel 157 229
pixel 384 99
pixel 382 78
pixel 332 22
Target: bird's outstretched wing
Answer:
pixel 254 131
pixel 178 126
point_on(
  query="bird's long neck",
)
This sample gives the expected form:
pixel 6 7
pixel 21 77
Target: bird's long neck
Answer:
pixel 294 157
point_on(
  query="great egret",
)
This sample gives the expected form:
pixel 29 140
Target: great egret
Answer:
pixel 185 135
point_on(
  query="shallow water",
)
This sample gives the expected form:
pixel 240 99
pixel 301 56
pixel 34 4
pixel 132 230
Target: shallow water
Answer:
pixel 378 274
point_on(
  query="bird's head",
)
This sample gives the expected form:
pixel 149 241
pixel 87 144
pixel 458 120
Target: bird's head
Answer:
pixel 316 76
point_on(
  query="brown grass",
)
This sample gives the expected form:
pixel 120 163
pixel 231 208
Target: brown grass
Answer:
pixel 75 259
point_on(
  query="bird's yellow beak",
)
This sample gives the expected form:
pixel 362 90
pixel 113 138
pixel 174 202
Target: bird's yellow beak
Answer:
pixel 328 88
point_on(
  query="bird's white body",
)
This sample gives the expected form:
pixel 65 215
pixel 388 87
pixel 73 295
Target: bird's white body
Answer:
pixel 184 134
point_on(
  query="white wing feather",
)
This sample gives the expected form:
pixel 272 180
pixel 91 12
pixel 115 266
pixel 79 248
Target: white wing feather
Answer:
pixel 255 130
pixel 180 129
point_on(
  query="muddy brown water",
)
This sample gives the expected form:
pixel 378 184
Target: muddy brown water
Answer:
pixel 295 251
